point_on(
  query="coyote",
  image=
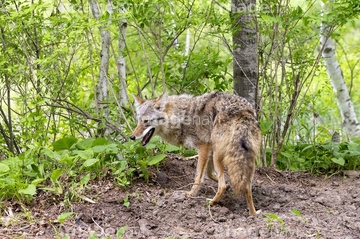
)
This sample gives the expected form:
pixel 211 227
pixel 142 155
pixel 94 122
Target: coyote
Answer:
pixel 221 126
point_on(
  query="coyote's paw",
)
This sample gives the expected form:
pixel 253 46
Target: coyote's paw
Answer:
pixel 194 190
pixel 211 202
pixel 190 193
pixel 255 213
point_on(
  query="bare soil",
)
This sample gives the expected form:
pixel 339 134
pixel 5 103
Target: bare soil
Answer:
pixel 292 204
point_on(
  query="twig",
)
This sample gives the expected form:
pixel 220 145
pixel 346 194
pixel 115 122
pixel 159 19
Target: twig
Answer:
pixel 213 188
pixel 185 186
pixel 333 174
pixel 191 157
pixel 270 178
pixel 102 229
pixel 181 176
pixel 209 206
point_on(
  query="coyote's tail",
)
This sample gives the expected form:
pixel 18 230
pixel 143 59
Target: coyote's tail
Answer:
pixel 240 160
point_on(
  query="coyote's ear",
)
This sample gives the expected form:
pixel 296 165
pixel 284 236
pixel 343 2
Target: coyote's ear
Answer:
pixel 138 100
pixel 161 101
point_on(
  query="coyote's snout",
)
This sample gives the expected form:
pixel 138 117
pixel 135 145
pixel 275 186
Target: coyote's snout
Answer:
pixel 222 126
pixel 144 133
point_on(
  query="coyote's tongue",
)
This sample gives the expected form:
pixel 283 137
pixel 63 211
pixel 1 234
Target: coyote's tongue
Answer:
pixel 147 137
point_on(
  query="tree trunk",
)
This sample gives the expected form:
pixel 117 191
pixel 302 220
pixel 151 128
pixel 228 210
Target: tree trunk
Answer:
pixel 121 63
pixel 245 49
pixel 333 69
pixel 102 93
pixel 187 42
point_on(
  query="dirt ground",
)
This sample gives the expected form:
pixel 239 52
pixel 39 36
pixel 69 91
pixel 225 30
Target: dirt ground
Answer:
pixel 292 204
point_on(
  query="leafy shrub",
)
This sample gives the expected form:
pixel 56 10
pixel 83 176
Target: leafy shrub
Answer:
pixel 327 157
pixel 76 162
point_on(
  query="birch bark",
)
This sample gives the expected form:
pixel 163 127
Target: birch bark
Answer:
pixel 102 93
pixel 121 63
pixel 334 72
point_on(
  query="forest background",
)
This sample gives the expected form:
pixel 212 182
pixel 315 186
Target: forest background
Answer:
pixel 68 69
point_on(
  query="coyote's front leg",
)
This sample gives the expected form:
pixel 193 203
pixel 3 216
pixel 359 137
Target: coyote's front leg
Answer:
pixel 200 168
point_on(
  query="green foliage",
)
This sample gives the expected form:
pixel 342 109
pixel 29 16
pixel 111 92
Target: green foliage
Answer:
pixel 163 40
pixel 138 159
pixel 121 231
pixel 271 217
pixel 274 220
pixel 327 157
pixel 72 163
pixel 64 216
pixel 297 213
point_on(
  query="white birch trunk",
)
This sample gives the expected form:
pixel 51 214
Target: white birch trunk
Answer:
pixel 333 69
pixel 102 86
pixel 187 42
pixel 121 63
pixel 186 50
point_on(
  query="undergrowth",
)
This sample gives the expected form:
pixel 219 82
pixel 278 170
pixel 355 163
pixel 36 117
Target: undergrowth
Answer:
pixel 70 164
pixel 324 158
pixel 66 167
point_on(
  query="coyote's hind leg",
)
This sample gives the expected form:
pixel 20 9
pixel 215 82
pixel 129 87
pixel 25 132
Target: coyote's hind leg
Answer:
pixel 210 169
pixel 219 168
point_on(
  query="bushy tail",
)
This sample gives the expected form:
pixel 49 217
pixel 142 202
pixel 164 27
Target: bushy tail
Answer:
pixel 240 159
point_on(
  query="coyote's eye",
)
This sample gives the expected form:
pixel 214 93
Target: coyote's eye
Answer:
pixel 146 121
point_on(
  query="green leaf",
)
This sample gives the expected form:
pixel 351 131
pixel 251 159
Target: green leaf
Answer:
pixel 270 19
pixel 90 162
pixel 84 180
pixel 85 143
pixel 56 174
pixel 37 181
pixel 274 217
pixel 64 143
pixel 4 168
pixel 121 231
pixel 189 152
pixel 100 141
pixel 99 148
pixel 85 154
pixel 296 212
pixel 265 126
pixel 49 189
pixel 63 216
pixel 156 159
pixel 286 155
pixel 108 148
pixel 93 235
pixel 150 146
pixel 307 147
pixel 122 166
pixel 340 161
pixel 30 190
pixel 301 160
pixel 51 154
pixel 171 148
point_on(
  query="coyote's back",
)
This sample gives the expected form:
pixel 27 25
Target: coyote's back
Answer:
pixel 222 126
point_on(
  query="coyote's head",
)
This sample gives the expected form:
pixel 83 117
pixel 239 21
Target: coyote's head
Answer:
pixel 149 115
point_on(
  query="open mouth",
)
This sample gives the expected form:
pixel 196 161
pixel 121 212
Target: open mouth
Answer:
pixel 147 137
